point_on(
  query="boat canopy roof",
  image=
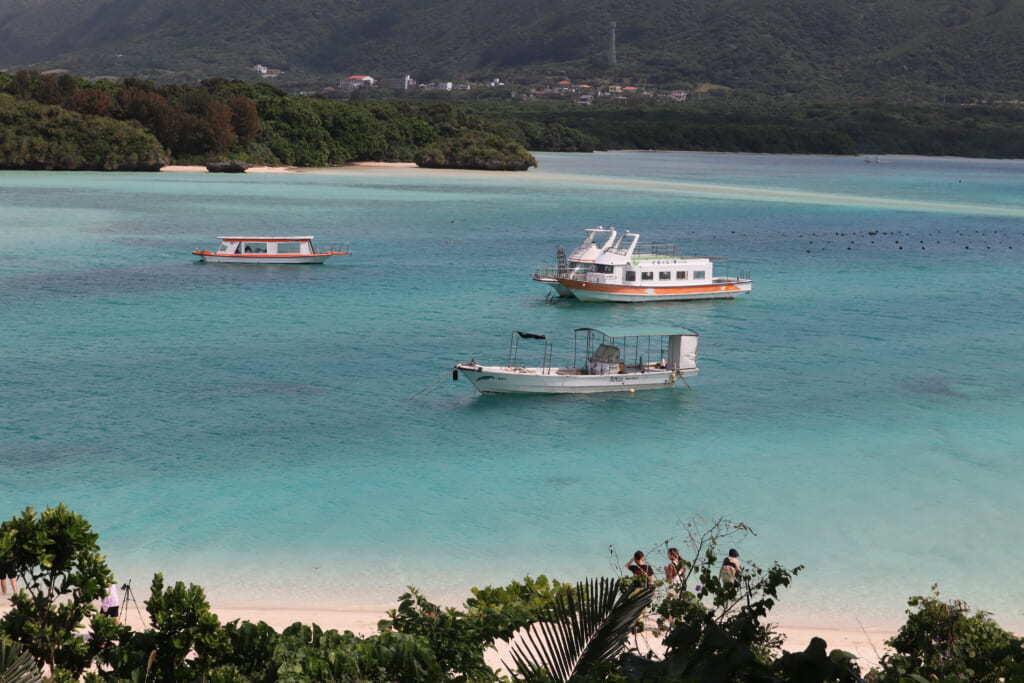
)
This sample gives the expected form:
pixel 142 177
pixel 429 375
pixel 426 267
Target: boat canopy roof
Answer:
pixel 658 331
pixel 249 238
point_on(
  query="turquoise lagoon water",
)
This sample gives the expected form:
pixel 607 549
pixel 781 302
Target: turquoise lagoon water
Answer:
pixel 257 430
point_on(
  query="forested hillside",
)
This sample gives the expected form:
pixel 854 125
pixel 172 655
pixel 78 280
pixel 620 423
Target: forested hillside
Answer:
pixel 899 50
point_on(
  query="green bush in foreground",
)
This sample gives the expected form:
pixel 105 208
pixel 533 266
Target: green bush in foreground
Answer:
pixel 718 632
pixel 946 641
pixel 60 573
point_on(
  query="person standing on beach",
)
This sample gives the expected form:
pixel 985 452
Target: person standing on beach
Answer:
pixel 7 574
pixel 675 571
pixel 730 567
pixel 639 567
pixel 111 604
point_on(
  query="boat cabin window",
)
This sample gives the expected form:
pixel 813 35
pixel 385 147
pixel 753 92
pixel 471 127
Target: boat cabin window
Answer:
pixel 665 275
pixel 630 276
pixel 680 274
pixel 646 276
pixel 605 360
pixel 698 275
pixel 602 268
pixel 254 248
pixel 228 248
pixel 288 248
pixel 606 353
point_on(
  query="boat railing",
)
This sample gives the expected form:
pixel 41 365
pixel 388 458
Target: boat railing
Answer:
pixel 557 271
pixel 653 250
pixel 742 274
pixel 513 352
pixel 647 251
pixel 332 247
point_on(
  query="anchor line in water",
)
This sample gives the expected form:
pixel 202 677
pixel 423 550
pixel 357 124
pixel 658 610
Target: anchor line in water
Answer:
pixel 433 384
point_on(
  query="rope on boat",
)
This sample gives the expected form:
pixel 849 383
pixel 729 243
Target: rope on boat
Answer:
pixel 444 378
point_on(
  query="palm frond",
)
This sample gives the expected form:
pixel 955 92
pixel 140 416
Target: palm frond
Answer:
pixel 17 665
pixel 587 626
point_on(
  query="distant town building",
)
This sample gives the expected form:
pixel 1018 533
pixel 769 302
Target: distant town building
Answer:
pixel 266 71
pixel 402 83
pixel 353 82
pixel 678 95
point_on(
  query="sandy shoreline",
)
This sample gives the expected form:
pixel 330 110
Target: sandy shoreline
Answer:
pixel 297 169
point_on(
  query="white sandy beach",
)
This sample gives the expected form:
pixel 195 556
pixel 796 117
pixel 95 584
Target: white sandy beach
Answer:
pixel 297 169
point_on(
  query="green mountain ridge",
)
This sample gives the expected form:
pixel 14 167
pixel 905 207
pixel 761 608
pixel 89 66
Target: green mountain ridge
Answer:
pixel 888 49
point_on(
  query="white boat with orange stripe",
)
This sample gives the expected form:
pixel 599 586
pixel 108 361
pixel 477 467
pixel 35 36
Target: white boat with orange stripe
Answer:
pixel 270 250
pixel 597 241
pixel 628 271
pixel 612 359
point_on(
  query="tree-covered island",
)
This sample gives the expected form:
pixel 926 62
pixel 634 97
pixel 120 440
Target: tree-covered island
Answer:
pixel 50 121
pixel 66 123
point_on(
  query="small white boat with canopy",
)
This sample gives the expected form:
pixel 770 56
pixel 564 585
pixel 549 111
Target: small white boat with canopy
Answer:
pixel 270 250
pixel 612 359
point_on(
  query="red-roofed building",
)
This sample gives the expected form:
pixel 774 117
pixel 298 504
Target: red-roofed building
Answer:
pixel 353 82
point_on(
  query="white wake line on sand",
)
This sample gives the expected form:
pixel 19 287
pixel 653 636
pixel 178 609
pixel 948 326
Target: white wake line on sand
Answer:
pixel 758 194
pixel 704 190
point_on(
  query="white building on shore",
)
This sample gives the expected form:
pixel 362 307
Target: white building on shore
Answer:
pixel 353 82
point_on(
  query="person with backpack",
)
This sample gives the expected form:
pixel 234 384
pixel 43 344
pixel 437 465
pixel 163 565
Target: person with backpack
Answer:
pixel 730 570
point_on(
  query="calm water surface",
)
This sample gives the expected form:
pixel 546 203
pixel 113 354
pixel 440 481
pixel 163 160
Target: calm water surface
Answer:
pixel 255 430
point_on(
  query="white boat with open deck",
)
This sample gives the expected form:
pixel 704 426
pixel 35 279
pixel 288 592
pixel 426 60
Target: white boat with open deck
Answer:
pixel 627 271
pixel 612 359
pixel 270 250
pixel 578 262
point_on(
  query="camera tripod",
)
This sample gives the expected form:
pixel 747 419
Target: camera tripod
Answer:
pixel 128 595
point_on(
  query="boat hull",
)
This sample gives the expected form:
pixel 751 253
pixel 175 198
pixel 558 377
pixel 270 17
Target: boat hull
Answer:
pixel 560 289
pixel 498 380
pixel 598 292
pixel 261 259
